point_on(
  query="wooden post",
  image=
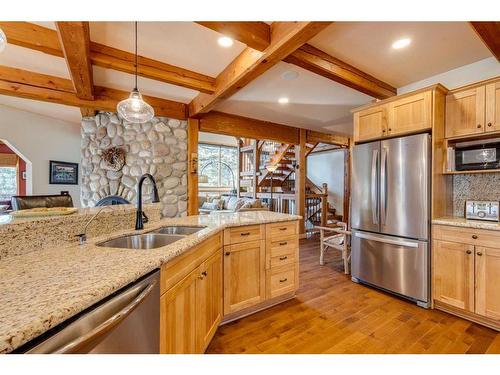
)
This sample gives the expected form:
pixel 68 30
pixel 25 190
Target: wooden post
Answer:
pixel 300 180
pixel 324 205
pixel 256 159
pixel 347 185
pixel 192 176
pixel 240 164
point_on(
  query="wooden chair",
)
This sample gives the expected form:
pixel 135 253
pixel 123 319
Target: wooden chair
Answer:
pixel 338 241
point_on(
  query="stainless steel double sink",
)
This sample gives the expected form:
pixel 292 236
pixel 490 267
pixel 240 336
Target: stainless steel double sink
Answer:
pixel 151 240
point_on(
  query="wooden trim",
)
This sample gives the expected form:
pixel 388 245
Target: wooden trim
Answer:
pixel 300 179
pixel 321 63
pixel 490 323
pixel 317 137
pixel 489 32
pixel 105 99
pixel 286 37
pixel 254 34
pixel 437 86
pixel 74 38
pixel 192 177
pixel 474 85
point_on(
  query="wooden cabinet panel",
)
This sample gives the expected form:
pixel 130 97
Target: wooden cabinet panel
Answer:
pixel 410 114
pixel 493 106
pixel 370 123
pixel 178 317
pixel 281 229
pixel 282 251
pixel 280 280
pixel 453 274
pixel 243 234
pixel 208 300
pixel 471 236
pixel 465 111
pixel 487 282
pixel 244 275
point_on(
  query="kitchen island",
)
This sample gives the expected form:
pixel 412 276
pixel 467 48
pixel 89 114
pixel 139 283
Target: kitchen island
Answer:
pixel 43 288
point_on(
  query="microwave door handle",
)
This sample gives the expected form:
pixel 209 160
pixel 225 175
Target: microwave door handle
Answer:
pixel 383 186
pixel 374 187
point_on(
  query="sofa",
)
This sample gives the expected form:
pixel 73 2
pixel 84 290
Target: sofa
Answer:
pixel 24 202
pixel 229 203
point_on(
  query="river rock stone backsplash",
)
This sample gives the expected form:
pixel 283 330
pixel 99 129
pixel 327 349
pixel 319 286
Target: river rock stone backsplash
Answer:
pixel 481 186
pixel 158 147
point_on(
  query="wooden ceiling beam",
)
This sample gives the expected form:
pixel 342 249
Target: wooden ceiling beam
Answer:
pixel 74 38
pixel 313 136
pixel 286 37
pixel 489 32
pixel 254 34
pixel 46 40
pixel 36 86
pixel 307 57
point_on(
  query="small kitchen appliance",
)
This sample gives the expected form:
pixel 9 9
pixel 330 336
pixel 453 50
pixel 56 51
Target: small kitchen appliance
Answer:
pixel 482 210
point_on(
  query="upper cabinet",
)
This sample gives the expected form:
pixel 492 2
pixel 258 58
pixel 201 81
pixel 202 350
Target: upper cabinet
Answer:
pixel 405 114
pixel 474 109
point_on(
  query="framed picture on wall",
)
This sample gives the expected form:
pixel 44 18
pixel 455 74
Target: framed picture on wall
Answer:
pixel 63 173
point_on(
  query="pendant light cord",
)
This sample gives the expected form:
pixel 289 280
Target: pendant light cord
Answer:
pixel 135 55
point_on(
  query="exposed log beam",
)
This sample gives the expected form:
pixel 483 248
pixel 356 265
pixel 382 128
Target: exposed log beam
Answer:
pixel 489 32
pixel 52 89
pixel 286 37
pixel 319 62
pixel 75 42
pixel 25 77
pixel 254 34
pixel 307 57
pixel 46 40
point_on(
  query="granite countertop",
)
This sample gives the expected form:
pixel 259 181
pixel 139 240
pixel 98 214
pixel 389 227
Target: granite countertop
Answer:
pixel 462 222
pixel 41 289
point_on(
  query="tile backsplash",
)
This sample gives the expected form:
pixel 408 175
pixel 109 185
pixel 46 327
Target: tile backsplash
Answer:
pixel 482 186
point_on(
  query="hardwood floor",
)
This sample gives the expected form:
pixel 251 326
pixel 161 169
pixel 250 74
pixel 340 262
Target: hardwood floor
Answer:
pixel 331 314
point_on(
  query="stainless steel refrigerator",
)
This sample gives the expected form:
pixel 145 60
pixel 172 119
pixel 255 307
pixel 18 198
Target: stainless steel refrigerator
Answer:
pixel 390 209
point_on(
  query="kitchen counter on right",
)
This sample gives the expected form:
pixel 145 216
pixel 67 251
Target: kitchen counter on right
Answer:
pixel 462 222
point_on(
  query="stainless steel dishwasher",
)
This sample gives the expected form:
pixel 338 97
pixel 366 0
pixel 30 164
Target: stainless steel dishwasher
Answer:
pixel 127 322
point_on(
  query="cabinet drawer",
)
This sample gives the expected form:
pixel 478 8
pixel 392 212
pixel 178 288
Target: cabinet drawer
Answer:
pixel 282 252
pixel 277 230
pixel 243 234
pixel 471 236
pixel 280 281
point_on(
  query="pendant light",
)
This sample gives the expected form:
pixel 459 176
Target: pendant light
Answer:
pixel 3 40
pixel 134 109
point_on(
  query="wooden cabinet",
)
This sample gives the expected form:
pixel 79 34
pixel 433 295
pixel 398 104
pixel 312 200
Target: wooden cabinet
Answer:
pixel 178 317
pixel 465 112
pixel 244 275
pixel 453 274
pixel 208 300
pixel 466 273
pixel 488 282
pixel 493 106
pixel 370 123
pixel 410 114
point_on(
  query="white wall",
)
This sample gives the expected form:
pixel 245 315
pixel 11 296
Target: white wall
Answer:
pixel 328 167
pixel 39 139
pixel 464 75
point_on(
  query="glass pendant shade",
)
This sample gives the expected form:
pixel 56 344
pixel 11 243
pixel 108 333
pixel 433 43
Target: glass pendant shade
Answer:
pixel 134 109
pixel 3 40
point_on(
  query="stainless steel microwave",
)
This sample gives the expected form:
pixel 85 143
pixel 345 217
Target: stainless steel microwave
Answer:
pixel 476 157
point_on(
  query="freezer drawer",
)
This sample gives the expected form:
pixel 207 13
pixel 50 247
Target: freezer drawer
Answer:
pixel 396 264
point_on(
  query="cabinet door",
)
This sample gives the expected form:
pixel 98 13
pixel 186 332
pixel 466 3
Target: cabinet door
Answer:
pixel 370 123
pixel 488 282
pixel 493 107
pixel 244 275
pixel 208 300
pixel 178 317
pixel 465 112
pixel 453 274
pixel 410 114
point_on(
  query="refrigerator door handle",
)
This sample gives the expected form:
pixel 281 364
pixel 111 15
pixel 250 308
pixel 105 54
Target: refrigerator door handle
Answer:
pixel 383 185
pixel 399 242
pixel 374 186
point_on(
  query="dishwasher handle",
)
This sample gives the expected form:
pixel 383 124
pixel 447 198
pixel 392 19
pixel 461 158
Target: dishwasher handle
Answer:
pixel 89 340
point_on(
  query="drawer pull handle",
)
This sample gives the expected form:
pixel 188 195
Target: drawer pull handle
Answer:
pixel 284 228
pixel 227 253
pixel 283 258
pixel 283 280
pixel 203 275
pixel 479 126
pixel 474 237
pixel 283 243
pixel 468 252
pixel 245 233
pixel 489 124
pixel 479 253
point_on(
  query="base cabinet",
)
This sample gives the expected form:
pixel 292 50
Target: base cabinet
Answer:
pixel 488 282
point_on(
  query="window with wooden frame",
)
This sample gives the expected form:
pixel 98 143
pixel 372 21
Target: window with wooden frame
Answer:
pixel 9 167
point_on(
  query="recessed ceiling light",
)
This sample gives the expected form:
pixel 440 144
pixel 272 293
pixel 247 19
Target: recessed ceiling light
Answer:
pixel 289 75
pixel 401 43
pixel 225 41
pixel 283 100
